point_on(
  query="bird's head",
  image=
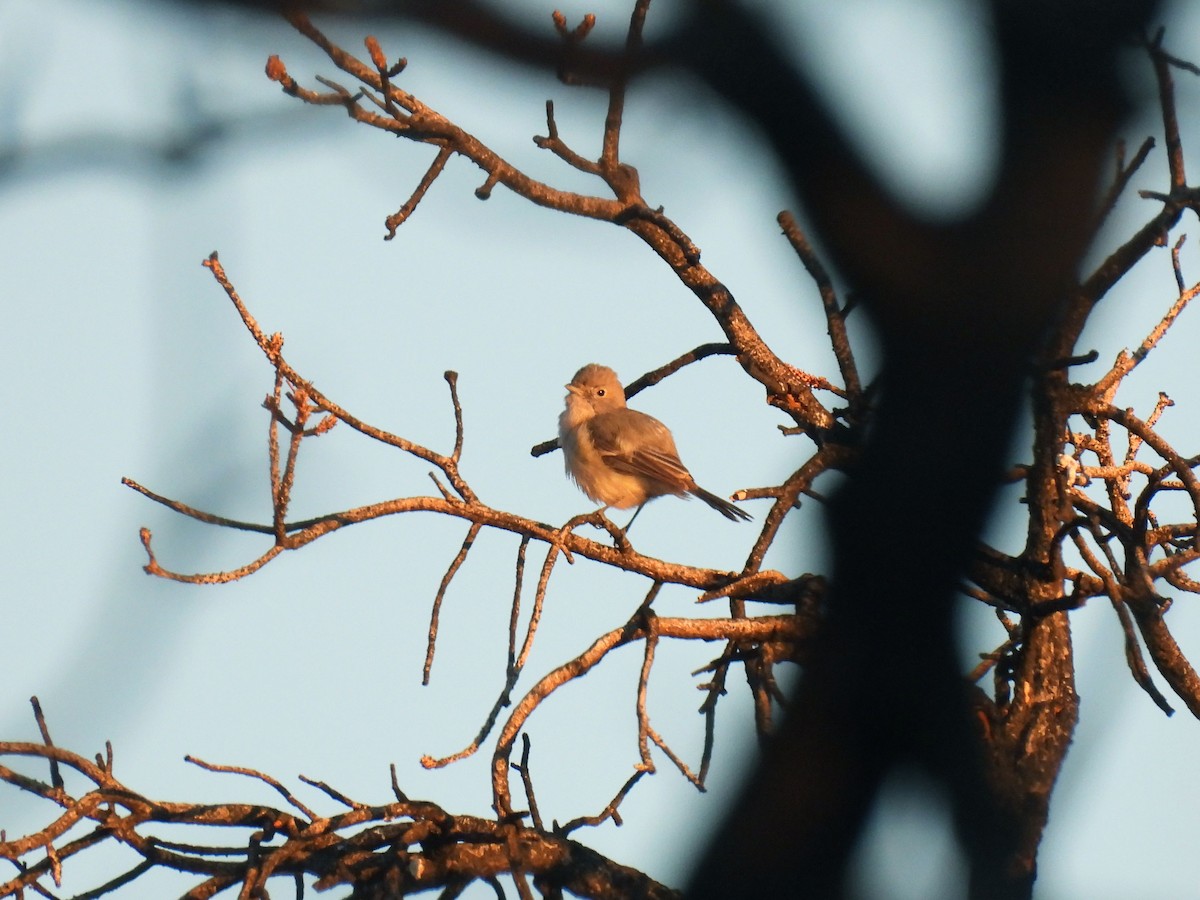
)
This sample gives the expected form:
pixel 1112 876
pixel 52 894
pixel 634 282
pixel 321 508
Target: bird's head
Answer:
pixel 593 390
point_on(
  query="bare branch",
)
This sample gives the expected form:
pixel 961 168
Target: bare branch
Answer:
pixel 56 778
pixel 835 314
pixel 455 563
pixel 254 773
pixel 397 219
pixel 763 628
pixel 416 121
pixel 609 812
pixel 362 847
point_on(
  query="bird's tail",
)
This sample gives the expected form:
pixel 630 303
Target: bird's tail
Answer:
pixel 721 505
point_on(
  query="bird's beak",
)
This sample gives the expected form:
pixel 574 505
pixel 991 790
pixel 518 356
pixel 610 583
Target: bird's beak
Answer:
pixel 574 388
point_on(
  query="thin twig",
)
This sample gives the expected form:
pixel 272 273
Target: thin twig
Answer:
pixel 609 812
pixel 467 544
pixel 643 683
pixel 527 780
pixel 333 792
pixel 835 315
pixel 56 778
pixel 515 615
pixel 401 215
pixel 260 776
pixel 1121 181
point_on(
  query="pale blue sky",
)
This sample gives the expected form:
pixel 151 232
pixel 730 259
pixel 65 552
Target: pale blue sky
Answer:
pixel 123 357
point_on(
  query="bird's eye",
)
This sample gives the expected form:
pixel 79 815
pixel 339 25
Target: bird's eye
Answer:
pixel 600 392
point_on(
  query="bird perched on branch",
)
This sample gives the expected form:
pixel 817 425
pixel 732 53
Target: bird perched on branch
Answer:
pixel 621 457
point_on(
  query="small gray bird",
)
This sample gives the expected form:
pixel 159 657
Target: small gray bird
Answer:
pixel 621 457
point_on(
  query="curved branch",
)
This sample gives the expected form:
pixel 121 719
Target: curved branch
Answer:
pixel 791 389
pixel 761 629
pixel 308 530
pixel 395 848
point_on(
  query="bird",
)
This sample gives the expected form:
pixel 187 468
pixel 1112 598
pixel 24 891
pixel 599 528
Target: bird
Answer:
pixel 622 457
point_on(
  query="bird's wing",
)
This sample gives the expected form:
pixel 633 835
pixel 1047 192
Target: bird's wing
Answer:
pixel 637 444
